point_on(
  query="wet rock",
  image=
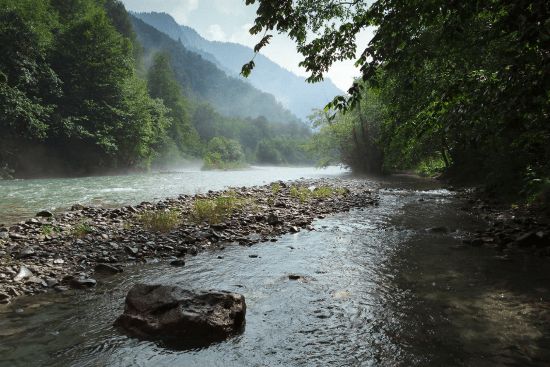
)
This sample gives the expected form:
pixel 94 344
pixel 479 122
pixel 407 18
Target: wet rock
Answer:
pixel 51 282
pixel 527 240
pixel 273 219
pixel 438 229
pixel 132 250
pixel 107 269
pixel 81 283
pixel 294 229
pixel 37 280
pixel 24 273
pixel 177 262
pixel 44 214
pixel 17 236
pixel 77 207
pixel 181 318
pixel 4 298
pixel 25 252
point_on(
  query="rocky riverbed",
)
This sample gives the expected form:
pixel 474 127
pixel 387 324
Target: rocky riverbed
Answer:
pixel 510 229
pixel 75 249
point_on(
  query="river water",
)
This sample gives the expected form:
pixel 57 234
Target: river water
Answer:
pixel 380 290
pixel 21 199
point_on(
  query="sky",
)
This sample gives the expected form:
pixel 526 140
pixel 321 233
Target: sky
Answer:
pixel 230 20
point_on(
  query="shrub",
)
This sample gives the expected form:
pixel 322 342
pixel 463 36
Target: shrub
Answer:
pixel 81 229
pixel 160 221
pixel 217 209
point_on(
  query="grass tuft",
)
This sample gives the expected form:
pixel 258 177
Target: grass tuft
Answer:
pixel 81 230
pixel 160 221
pixel 216 210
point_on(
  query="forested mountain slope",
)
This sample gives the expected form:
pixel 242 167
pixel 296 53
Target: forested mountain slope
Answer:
pixel 201 78
pixel 291 90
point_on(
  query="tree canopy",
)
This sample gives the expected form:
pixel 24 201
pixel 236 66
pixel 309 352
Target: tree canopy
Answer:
pixel 466 81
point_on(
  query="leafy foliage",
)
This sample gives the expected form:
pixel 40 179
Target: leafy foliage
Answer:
pixel 463 81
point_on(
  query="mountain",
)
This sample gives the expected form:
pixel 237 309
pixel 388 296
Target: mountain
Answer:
pixel 203 80
pixel 291 90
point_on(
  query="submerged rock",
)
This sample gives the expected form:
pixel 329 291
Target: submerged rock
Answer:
pixel 182 318
pixel 44 214
pixel 107 269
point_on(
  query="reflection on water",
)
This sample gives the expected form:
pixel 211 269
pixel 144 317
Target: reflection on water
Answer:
pixel 20 199
pixel 382 291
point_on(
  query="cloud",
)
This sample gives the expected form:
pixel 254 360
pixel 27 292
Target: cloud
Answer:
pixel 216 33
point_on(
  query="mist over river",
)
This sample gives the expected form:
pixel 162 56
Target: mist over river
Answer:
pixel 21 199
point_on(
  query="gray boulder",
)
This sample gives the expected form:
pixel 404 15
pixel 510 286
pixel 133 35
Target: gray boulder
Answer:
pixel 182 318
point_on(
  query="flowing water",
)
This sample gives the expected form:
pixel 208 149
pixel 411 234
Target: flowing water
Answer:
pixel 21 199
pixel 379 289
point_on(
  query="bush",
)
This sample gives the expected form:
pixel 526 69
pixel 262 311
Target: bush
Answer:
pixel 216 210
pixel 223 153
pixel 160 221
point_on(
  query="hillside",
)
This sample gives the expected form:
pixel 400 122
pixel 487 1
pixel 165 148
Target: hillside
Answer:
pixel 291 90
pixel 202 79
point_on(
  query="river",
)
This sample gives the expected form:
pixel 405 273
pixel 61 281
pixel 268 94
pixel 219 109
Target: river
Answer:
pixel 21 199
pixel 381 290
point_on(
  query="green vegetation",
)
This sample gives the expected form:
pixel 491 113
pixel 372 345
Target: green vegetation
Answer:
pixel 48 230
pixel 276 188
pixel 85 89
pixel 218 209
pixel 160 221
pixel 81 229
pixel 460 87
pixel 223 153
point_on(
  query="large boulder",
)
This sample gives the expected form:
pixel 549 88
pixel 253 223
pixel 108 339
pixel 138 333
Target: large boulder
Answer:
pixel 181 318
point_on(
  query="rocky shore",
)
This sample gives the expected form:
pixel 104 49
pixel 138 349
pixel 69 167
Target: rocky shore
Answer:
pixel 510 229
pixel 67 250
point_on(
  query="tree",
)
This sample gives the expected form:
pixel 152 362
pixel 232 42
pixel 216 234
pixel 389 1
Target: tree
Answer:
pixel 466 81
pixel 26 80
pixel 162 85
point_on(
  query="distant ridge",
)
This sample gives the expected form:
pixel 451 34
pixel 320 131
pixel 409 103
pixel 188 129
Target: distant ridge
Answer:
pixel 291 90
pixel 202 79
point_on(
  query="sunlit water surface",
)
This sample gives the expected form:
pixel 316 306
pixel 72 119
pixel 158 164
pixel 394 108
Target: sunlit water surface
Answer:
pixel 381 290
pixel 20 199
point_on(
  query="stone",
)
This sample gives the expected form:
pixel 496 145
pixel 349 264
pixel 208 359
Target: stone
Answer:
pixel 107 269
pixel 527 239
pixel 132 250
pixel 23 274
pixel 81 283
pixel 181 318
pixel 77 207
pixel 44 214
pixel 273 219
pixel 51 282
pixel 177 262
pixel 438 229
pixel 37 280
pixel 4 298
pixel 25 252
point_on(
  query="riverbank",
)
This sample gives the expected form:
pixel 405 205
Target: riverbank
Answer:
pixel 511 229
pixel 74 249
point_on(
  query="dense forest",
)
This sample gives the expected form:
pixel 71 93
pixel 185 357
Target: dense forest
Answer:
pixel 85 89
pixel 457 87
